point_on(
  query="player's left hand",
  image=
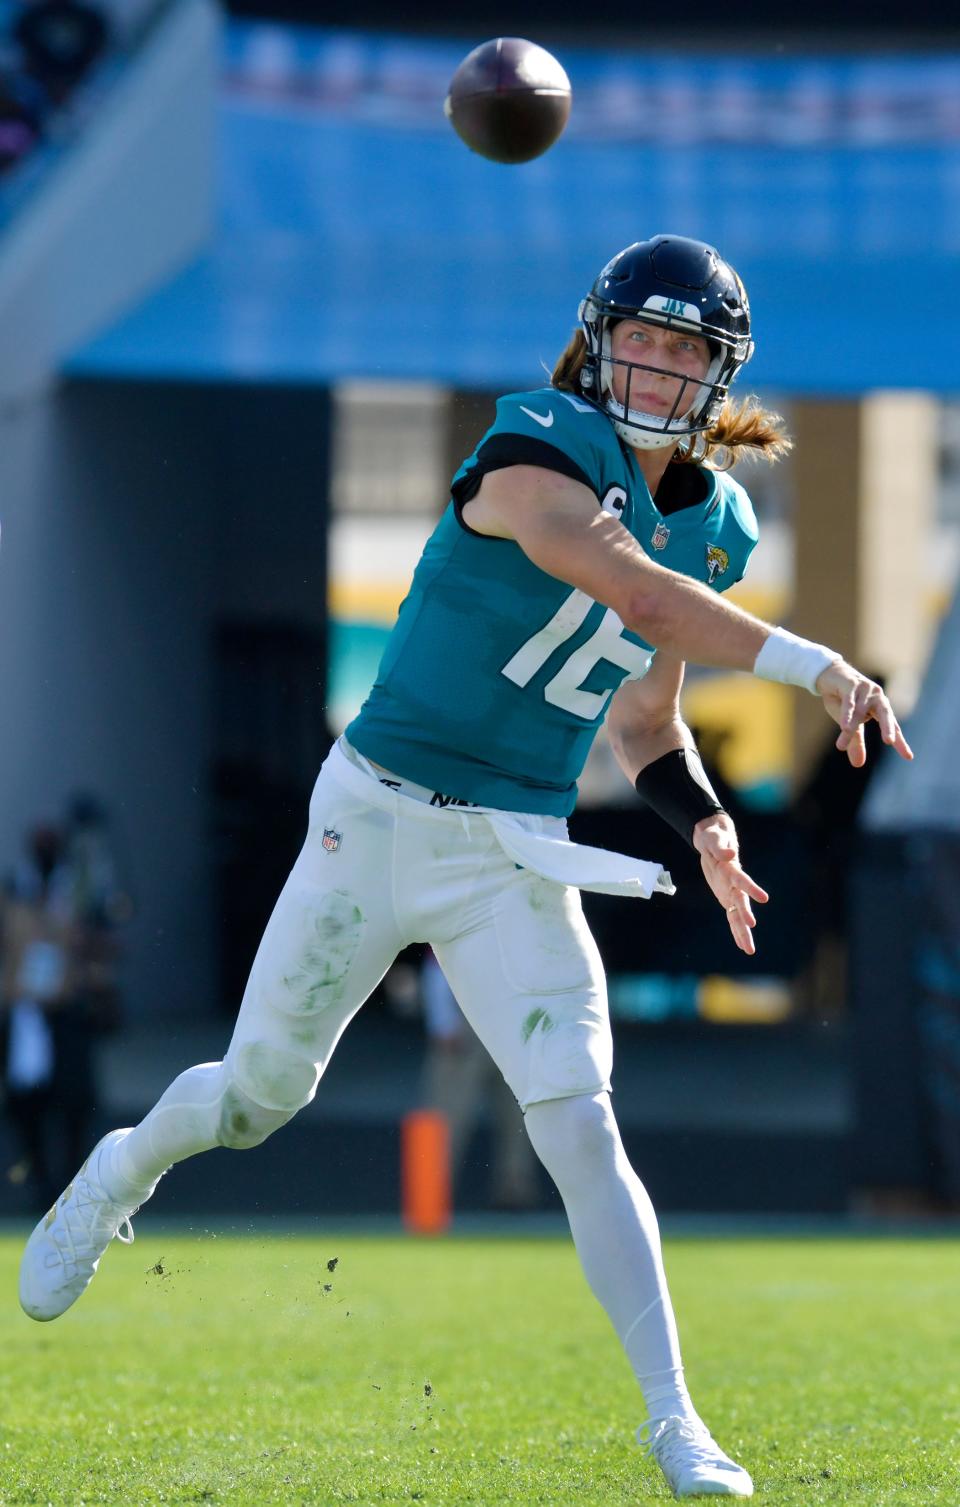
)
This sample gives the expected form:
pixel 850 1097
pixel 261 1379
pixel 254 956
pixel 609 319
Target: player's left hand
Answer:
pixel 715 839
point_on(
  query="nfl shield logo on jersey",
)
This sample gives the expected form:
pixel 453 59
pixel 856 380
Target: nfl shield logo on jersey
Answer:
pixel 660 536
pixel 331 839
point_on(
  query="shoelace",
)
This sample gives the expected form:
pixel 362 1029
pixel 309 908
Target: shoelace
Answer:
pixel 87 1224
pixel 681 1441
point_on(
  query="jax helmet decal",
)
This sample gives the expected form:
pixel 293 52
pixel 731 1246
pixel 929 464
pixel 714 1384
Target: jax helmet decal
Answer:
pixel 684 284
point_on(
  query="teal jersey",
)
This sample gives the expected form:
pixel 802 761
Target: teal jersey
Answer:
pixel 497 675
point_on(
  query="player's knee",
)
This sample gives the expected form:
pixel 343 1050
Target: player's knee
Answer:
pixel 573 1137
pixel 245 1124
pixel 266 1087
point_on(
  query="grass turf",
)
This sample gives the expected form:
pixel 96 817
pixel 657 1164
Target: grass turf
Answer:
pixel 474 1371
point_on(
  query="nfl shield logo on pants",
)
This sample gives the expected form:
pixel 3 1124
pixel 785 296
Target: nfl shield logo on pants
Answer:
pixel 331 839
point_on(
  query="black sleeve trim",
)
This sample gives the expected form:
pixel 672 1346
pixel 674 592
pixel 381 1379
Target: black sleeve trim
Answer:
pixel 502 450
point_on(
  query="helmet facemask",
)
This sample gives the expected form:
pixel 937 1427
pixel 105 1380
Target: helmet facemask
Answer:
pixel 699 399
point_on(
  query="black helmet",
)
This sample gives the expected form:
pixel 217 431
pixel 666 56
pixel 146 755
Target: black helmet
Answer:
pixel 678 282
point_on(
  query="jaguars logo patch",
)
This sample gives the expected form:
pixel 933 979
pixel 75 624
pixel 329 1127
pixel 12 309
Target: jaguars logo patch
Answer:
pixel 718 562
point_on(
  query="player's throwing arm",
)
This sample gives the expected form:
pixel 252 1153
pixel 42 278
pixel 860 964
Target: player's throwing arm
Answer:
pixel 557 523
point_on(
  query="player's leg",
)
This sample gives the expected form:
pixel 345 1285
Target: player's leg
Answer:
pixel 617 1238
pixel 534 991
pixel 321 956
pixel 331 937
pixel 531 983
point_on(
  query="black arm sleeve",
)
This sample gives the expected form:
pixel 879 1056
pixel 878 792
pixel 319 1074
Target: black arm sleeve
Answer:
pixel 502 450
pixel 676 787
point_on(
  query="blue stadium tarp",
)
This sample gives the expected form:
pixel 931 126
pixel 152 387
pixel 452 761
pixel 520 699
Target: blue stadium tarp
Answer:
pixel 359 238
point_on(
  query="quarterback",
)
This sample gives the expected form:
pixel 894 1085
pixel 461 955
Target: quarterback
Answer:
pixel 581 561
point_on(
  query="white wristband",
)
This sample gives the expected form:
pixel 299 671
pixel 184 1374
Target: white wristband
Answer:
pixel 792 660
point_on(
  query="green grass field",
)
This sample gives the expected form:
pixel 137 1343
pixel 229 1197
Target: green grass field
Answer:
pixel 241 1370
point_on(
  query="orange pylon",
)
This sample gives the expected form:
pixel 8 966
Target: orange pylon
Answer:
pixel 425 1182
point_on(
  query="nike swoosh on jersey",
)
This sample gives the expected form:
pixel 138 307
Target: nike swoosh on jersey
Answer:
pixel 545 419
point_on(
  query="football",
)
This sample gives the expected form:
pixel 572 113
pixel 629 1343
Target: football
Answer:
pixel 509 100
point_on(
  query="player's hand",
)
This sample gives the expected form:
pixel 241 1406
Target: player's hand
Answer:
pixel 851 699
pixel 715 839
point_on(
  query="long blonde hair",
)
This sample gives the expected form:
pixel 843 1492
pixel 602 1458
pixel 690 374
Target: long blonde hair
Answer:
pixel 742 430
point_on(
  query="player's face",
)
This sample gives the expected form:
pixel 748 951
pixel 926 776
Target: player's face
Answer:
pixel 674 355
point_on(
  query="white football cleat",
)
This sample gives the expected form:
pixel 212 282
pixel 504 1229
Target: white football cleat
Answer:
pixel 64 1250
pixel 692 1460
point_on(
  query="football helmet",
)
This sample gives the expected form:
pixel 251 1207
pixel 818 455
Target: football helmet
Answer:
pixel 685 284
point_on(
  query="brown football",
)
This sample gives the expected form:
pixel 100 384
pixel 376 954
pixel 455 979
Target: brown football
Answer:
pixel 509 100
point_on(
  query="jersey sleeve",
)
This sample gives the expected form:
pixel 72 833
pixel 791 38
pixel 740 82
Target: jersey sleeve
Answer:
pixel 739 534
pixel 545 428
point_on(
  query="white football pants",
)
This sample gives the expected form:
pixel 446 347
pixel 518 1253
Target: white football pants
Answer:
pixel 377 871
pixel 515 947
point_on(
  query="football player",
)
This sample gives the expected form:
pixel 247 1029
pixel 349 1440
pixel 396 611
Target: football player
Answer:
pixel 581 561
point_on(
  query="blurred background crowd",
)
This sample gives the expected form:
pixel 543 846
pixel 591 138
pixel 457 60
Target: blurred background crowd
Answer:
pixel 256 303
pixel 57 58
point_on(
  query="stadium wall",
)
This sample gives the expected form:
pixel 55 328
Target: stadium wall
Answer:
pixel 137 517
